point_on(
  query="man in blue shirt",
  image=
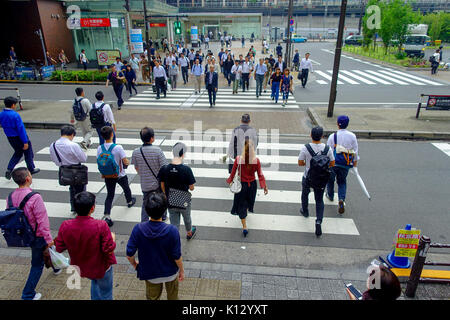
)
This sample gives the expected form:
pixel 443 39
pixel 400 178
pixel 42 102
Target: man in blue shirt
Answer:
pixel 159 251
pixel 14 129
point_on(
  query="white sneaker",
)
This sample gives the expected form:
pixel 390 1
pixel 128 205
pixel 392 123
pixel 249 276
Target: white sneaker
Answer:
pixel 37 296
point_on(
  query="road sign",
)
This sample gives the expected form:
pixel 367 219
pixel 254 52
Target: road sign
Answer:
pixel 291 22
pixel 292 29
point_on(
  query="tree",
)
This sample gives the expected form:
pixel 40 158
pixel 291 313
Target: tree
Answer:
pixel 369 24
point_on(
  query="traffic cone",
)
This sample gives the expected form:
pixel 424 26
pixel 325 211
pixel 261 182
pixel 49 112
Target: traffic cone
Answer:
pixel 399 262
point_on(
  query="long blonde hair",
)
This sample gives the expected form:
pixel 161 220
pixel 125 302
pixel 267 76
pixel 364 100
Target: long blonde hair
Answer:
pixel 248 153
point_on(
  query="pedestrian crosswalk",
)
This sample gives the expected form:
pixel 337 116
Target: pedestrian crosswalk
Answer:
pixel 278 211
pixel 444 147
pixel 186 98
pixel 380 76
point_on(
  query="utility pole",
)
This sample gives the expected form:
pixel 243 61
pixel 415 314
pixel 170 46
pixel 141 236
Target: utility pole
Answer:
pixel 362 5
pixel 39 34
pixel 288 35
pixel 337 59
pixel 146 22
pixel 128 9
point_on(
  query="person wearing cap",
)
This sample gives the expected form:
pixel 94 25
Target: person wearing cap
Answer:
pixel 178 176
pixel 343 141
pixel 304 159
pixel 238 137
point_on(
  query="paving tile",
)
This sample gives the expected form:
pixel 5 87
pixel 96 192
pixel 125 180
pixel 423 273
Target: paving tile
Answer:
pixel 85 294
pixel 135 295
pixel 246 290
pixel 340 295
pixel 185 297
pixel 291 282
pixel 4 270
pixel 439 291
pixel 268 279
pixel 53 279
pixel 9 288
pixel 120 268
pixel 304 295
pixel 302 284
pixel 325 285
pixel 292 294
pixel 49 291
pixel 65 293
pixel 194 273
pixel 258 278
pixel 258 291
pixel 236 276
pixel 327 295
pixel 280 293
pixel 218 275
pixel 247 277
pixel 337 285
pixel 137 285
pixel 123 281
pixel 280 281
pixel 187 286
pixel 313 284
pixel 315 295
pixel 246 297
pixel 204 298
pixel 229 289
pixel 269 290
pixel 207 287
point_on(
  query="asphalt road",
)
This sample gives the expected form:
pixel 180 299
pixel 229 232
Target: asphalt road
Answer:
pixel 408 182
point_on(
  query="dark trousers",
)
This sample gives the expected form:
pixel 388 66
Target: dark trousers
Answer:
pixel 211 94
pixel 131 85
pixel 318 195
pixel 118 91
pixel 434 67
pixel 111 189
pixel 304 76
pixel 245 81
pixel 17 145
pixel 160 86
pixel 101 140
pixel 73 190
pixel 227 75
pixel 185 74
pixel 144 215
pixel 340 175
pixel 85 65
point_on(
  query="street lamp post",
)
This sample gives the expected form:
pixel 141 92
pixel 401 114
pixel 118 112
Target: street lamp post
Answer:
pixel 288 35
pixel 337 59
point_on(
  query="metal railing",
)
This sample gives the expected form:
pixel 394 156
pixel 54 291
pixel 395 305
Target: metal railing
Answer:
pixel 418 264
pixel 17 92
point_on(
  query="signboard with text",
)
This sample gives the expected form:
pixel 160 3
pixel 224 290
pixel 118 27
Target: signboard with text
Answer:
pixel 47 71
pixel 406 243
pixel 137 45
pixel 438 102
pixel 194 34
pixel 94 22
pixel 107 57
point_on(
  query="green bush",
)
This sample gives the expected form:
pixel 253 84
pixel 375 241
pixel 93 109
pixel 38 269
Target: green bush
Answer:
pixel 80 75
pixel 400 55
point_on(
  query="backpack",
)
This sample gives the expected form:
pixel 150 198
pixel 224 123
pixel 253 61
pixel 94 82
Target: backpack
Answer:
pixel 319 168
pixel 342 159
pixel 78 110
pixel 107 164
pixel 14 224
pixel 97 117
pixel 432 59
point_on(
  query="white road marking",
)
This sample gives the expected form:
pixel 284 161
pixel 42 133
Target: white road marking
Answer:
pixel 444 147
pixel 372 77
pixel 357 77
pixel 344 78
pixel 326 76
pixel 387 77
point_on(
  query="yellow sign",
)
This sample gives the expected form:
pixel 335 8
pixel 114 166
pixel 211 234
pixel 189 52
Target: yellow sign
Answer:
pixel 107 57
pixel 407 242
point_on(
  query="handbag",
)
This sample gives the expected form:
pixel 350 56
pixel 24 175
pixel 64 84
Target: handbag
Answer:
pixel 236 185
pixel 74 174
pixel 178 198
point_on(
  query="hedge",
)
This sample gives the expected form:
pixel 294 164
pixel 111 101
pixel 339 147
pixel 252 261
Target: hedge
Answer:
pixel 89 75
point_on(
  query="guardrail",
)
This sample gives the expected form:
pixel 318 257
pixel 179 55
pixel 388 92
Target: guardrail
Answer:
pixel 18 94
pixel 418 264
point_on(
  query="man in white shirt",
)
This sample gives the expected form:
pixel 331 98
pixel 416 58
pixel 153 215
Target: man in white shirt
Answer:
pixel 304 159
pixel 305 67
pixel 342 140
pixel 134 61
pixel 247 68
pixel 236 72
pixel 108 116
pixel 197 71
pixel 207 42
pixel 121 160
pixel 83 125
pixel 160 79
pixel 260 71
pixel 280 64
pixel 83 59
pixel 65 152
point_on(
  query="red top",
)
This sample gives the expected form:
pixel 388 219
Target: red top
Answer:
pixel 89 243
pixel 248 172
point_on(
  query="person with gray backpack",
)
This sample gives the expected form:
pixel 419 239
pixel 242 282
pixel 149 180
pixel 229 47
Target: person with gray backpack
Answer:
pixel 79 112
pixel 317 159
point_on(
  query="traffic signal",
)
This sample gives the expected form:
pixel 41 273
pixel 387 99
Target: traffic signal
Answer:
pixel 177 26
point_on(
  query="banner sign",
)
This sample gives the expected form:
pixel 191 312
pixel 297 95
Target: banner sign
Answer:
pixel 194 33
pixel 438 103
pixel 24 72
pixel 107 57
pixel 47 71
pixel 407 242
pixel 95 22
pixel 153 25
pixel 137 45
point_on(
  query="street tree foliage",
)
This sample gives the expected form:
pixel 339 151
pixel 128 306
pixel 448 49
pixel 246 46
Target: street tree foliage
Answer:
pixel 438 25
pixel 367 28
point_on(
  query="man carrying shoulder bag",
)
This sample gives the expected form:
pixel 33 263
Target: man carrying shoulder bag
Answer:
pixel 68 156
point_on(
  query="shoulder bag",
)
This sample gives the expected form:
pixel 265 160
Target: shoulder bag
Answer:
pixel 74 174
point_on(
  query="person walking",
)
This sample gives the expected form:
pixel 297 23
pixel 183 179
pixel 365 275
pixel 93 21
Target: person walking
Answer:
pixel 316 177
pixel 212 83
pixel 246 70
pixel 173 74
pixel 80 112
pixel 184 65
pixel 268 73
pixel 243 41
pixel 116 78
pixel 206 42
pixel 260 73
pixel 65 152
pixel 63 60
pixel 130 76
pixel 275 81
pixel 305 67
pixel 345 147
pixel 148 161
pixel 227 66
pixel 36 214
pixel 50 60
pixel 280 64
pixel 16 134
pixel 83 59
pixel 246 165
pixel 235 76
pixel 191 57
pixel 90 244
pixel 197 71
pixel 296 60
pixel 159 251
pixel 119 176
pixel 435 60
pixel 239 134
pixel 286 85
pixel 145 68
pixel 279 49
pixel 135 62
pixel 177 180
pixel 160 79
pixel 101 115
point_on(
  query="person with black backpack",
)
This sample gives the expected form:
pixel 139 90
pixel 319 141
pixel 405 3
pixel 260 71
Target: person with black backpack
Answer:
pixel 317 159
pixel 101 115
pixel 79 112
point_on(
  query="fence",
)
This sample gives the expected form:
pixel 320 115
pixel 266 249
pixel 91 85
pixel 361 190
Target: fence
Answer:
pixel 17 92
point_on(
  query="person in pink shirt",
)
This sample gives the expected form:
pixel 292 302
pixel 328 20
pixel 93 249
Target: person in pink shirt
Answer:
pixel 91 245
pixel 36 214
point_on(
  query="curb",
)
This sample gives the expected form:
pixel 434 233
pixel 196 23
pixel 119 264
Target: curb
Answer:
pixel 96 83
pixel 383 134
